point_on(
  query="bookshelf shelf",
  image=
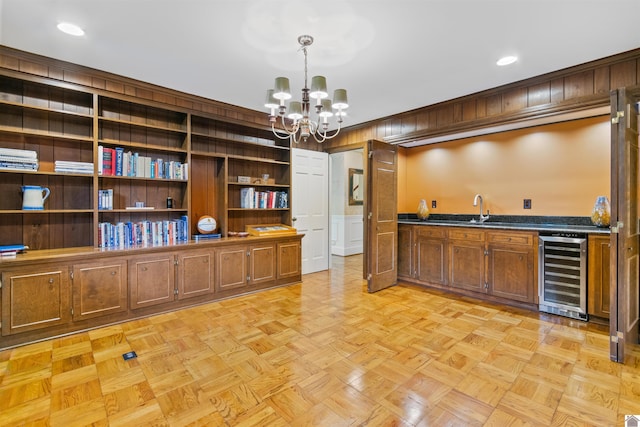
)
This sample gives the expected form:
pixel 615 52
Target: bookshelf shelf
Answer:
pixel 45 211
pixel 79 124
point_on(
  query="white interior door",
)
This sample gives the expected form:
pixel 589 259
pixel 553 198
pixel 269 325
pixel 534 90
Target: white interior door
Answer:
pixel 310 206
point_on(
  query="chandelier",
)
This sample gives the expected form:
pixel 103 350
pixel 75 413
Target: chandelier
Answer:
pixel 300 126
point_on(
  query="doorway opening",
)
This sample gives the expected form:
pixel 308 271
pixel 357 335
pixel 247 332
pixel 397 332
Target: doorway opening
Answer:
pixel 346 207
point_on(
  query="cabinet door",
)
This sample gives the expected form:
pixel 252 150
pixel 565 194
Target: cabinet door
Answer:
pixel 511 272
pixel 289 260
pixel 35 299
pixel 151 280
pixel 195 273
pixel 599 276
pixel 99 288
pixel 466 261
pixel 405 250
pixel 231 267
pixel 262 266
pixel 431 250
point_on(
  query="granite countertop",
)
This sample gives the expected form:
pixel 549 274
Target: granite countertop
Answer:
pixel 510 222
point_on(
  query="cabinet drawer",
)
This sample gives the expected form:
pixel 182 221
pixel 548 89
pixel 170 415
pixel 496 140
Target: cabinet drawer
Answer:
pixel 435 232
pixel 466 234
pixel 510 238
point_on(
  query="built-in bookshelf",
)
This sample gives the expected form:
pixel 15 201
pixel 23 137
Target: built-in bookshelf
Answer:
pixel 151 163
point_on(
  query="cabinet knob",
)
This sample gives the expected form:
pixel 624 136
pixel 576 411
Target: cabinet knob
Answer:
pixel 51 281
pixel 294 219
pixel 144 268
pixel 113 273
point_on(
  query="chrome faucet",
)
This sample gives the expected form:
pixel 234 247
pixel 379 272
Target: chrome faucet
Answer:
pixel 483 218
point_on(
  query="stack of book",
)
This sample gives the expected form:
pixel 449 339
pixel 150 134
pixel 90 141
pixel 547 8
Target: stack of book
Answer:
pixel 20 160
pixel 10 251
pixel 73 167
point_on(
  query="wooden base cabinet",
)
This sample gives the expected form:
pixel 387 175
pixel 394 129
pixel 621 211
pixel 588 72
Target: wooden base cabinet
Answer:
pixel 99 288
pixel 431 255
pixel 262 264
pixel 289 260
pixel 243 267
pixel 151 280
pixel 598 276
pixel 511 266
pixel 231 268
pixel 497 265
pixel 35 298
pixel 88 288
pixel 196 273
pixel 467 258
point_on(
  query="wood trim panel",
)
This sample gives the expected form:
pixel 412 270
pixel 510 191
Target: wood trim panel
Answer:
pixel 572 89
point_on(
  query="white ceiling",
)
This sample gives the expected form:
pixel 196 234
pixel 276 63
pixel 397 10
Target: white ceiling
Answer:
pixel 391 55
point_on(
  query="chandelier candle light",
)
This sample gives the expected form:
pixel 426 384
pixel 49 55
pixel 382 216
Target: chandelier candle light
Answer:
pixel 302 126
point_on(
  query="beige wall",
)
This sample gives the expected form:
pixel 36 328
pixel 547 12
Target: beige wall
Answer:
pixel 562 167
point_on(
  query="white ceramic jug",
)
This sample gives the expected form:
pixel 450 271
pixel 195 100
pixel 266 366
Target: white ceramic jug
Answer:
pixel 33 197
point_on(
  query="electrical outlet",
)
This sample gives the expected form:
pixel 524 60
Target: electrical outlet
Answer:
pixel 527 204
pixel 433 204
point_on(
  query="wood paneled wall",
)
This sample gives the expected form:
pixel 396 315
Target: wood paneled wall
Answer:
pixel 66 72
pixel 580 87
pixel 577 88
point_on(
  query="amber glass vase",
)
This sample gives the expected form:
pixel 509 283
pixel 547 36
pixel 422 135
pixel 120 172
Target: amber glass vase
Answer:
pixel 601 214
pixel 423 210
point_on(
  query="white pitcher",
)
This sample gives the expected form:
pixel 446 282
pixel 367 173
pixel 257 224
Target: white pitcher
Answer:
pixel 33 197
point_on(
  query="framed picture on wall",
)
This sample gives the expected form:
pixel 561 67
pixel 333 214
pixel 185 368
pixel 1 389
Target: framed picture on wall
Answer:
pixel 356 187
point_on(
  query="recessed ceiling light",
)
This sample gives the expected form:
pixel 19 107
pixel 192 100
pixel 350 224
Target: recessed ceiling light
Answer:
pixel 71 29
pixel 506 60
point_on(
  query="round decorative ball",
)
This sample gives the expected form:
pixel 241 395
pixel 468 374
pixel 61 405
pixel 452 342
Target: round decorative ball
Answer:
pixel 206 224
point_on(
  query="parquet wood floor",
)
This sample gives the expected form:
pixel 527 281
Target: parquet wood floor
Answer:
pixel 325 353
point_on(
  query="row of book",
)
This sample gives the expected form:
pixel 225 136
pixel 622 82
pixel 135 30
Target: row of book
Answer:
pixel 250 198
pixel 124 235
pixel 20 160
pixel 73 167
pixel 117 162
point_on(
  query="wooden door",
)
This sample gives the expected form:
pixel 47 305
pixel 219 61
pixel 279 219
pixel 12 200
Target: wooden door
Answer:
pixel 262 263
pixel 151 280
pixel 289 263
pixel 510 272
pixel 35 299
pixel 381 215
pixel 466 265
pixel 625 303
pixel 511 265
pixel 99 288
pixel 431 254
pixel 231 267
pixel 195 273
